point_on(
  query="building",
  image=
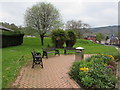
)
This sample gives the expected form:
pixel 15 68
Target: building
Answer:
pixel 5 29
pixel 91 37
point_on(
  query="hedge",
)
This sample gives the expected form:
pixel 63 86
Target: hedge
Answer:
pixel 58 37
pixel 11 40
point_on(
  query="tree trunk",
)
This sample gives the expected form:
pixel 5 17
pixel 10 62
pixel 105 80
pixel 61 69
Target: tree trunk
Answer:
pixel 42 39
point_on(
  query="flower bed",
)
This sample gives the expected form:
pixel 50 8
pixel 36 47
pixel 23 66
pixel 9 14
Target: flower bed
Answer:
pixel 98 71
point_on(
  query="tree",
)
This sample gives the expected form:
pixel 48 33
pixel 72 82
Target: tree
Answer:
pixel 43 17
pixel 11 26
pixel 70 38
pixel 107 37
pixel 28 31
pixel 99 37
pixel 78 26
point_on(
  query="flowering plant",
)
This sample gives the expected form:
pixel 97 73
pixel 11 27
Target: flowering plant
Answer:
pixel 96 71
pixel 84 69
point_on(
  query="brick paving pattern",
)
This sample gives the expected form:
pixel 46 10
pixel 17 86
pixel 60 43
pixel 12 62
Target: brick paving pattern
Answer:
pixel 53 75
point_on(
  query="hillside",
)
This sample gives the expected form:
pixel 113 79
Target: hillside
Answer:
pixel 108 30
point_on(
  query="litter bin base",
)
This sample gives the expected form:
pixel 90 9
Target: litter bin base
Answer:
pixel 79 56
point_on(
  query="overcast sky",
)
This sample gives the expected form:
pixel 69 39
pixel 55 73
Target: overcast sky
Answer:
pixel 96 13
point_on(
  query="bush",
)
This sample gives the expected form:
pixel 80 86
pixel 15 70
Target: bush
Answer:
pixel 58 37
pixel 95 72
pixel 100 58
pixel 117 57
pixel 70 38
pixel 75 70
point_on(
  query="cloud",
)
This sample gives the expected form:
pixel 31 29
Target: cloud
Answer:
pixel 95 13
pixel 60 1
pixel 13 12
pixel 100 14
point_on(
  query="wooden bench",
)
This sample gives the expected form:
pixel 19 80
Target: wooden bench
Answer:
pixel 49 50
pixel 69 50
pixel 37 59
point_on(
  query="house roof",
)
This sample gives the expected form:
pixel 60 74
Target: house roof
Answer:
pixel 5 29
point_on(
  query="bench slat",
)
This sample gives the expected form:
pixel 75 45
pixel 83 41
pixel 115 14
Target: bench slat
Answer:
pixel 49 50
pixel 69 50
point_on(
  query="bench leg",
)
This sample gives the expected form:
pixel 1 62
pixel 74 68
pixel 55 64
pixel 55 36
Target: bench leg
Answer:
pixel 57 52
pixel 44 54
pixel 33 65
pixel 65 52
pixel 42 64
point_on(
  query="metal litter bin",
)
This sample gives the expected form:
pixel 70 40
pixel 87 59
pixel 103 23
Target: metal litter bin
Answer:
pixel 79 55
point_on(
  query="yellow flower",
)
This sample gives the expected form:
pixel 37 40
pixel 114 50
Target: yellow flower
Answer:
pixel 111 57
pixel 84 69
pixel 105 64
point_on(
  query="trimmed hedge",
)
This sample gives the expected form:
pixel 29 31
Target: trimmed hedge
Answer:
pixel 58 37
pixel 11 40
pixel 70 38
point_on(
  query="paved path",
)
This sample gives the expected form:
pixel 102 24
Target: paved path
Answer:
pixel 53 75
pixel 118 48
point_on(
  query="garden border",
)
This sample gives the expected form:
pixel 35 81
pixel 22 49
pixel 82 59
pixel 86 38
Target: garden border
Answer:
pixel 118 76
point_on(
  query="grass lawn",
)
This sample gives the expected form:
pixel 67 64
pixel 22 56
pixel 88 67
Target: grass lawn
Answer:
pixel 13 58
pixel 93 48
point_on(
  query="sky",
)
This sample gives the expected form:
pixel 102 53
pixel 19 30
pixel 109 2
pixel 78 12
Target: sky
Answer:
pixel 96 13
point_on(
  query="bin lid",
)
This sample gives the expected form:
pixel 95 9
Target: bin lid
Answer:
pixel 81 48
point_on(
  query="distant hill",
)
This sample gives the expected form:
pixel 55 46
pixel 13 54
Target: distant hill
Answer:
pixel 108 30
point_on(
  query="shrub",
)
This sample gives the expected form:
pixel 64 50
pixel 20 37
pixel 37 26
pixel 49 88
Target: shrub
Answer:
pixel 117 57
pixel 75 70
pixel 70 38
pixel 100 58
pixel 95 72
pixel 58 37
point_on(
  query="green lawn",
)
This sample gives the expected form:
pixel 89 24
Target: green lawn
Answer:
pixel 93 48
pixel 15 57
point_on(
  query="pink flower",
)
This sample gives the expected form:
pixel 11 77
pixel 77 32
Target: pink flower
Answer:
pixel 109 66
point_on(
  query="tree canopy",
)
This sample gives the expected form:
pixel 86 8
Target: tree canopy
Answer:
pixel 43 17
pixel 12 26
pixel 78 26
pixel 99 37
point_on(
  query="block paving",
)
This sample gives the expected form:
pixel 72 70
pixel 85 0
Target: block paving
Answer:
pixel 53 75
